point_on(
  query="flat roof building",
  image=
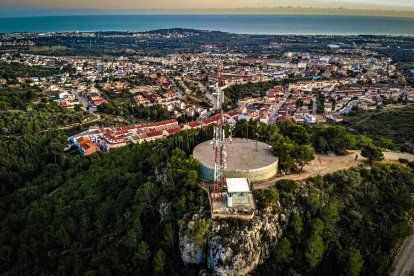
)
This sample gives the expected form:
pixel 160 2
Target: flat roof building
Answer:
pixel 239 195
pixel 237 185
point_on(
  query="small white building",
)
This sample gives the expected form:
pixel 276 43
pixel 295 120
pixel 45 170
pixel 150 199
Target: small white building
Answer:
pixel 238 189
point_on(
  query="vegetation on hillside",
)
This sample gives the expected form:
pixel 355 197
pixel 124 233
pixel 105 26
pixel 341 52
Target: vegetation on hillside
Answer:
pixel 346 223
pixel 119 213
pixel 18 97
pixel 112 213
pixel 115 214
pixel 131 112
pixel 392 123
pixel 124 44
pixel 236 92
pixel 240 91
pixel 13 70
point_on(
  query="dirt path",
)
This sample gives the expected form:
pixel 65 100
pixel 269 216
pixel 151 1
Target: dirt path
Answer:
pixel 326 164
pixel 404 261
pixel 86 121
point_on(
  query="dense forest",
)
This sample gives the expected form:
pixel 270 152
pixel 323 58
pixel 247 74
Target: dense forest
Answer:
pixel 346 223
pixel 29 140
pixel 101 214
pixel 112 213
pixel 18 97
pixel 240 91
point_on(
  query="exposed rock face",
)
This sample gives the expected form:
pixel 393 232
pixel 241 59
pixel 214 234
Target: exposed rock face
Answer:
pixel 236 248
pixel 191 248
pixel 164 209
pixel 191 252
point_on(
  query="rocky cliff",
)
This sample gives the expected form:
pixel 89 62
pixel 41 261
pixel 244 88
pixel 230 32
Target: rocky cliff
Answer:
pixel 233 247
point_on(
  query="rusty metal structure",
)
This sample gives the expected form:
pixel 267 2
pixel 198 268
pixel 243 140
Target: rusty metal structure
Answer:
pixel 218 143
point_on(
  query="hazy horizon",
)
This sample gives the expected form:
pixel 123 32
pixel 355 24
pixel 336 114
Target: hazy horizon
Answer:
pixel 18 8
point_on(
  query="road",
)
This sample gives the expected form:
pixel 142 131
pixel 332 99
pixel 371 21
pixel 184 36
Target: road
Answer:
pixel 82 100
pixel 348 107
pixel 274 111
pixel 326 164
pixel 404 261
pixel 211 97
pixel 315 105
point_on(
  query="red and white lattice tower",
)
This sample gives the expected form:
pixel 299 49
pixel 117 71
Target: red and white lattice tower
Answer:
pixel 218 142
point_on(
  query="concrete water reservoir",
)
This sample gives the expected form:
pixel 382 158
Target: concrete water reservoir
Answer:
pixel 244 160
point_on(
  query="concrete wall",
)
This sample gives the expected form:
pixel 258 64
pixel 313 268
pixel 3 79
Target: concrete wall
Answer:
pixel 207 173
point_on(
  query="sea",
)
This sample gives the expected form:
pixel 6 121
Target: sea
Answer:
pixel 242 24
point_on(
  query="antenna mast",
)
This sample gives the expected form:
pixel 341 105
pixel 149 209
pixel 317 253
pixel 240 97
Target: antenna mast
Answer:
pixel 220 154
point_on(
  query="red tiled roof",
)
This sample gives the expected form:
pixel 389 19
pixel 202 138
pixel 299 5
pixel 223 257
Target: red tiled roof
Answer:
pixel 210 120
pixel 194 124
pixel 233 113
pixel 174 130
pixel 99 102
pixel 90 148
pixel 154 134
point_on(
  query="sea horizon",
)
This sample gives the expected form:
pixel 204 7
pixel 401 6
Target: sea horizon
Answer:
pixel 281 24
pixel 201 14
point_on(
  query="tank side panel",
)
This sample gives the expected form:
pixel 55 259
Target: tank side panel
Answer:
pixel 207 173
pixel 256 174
